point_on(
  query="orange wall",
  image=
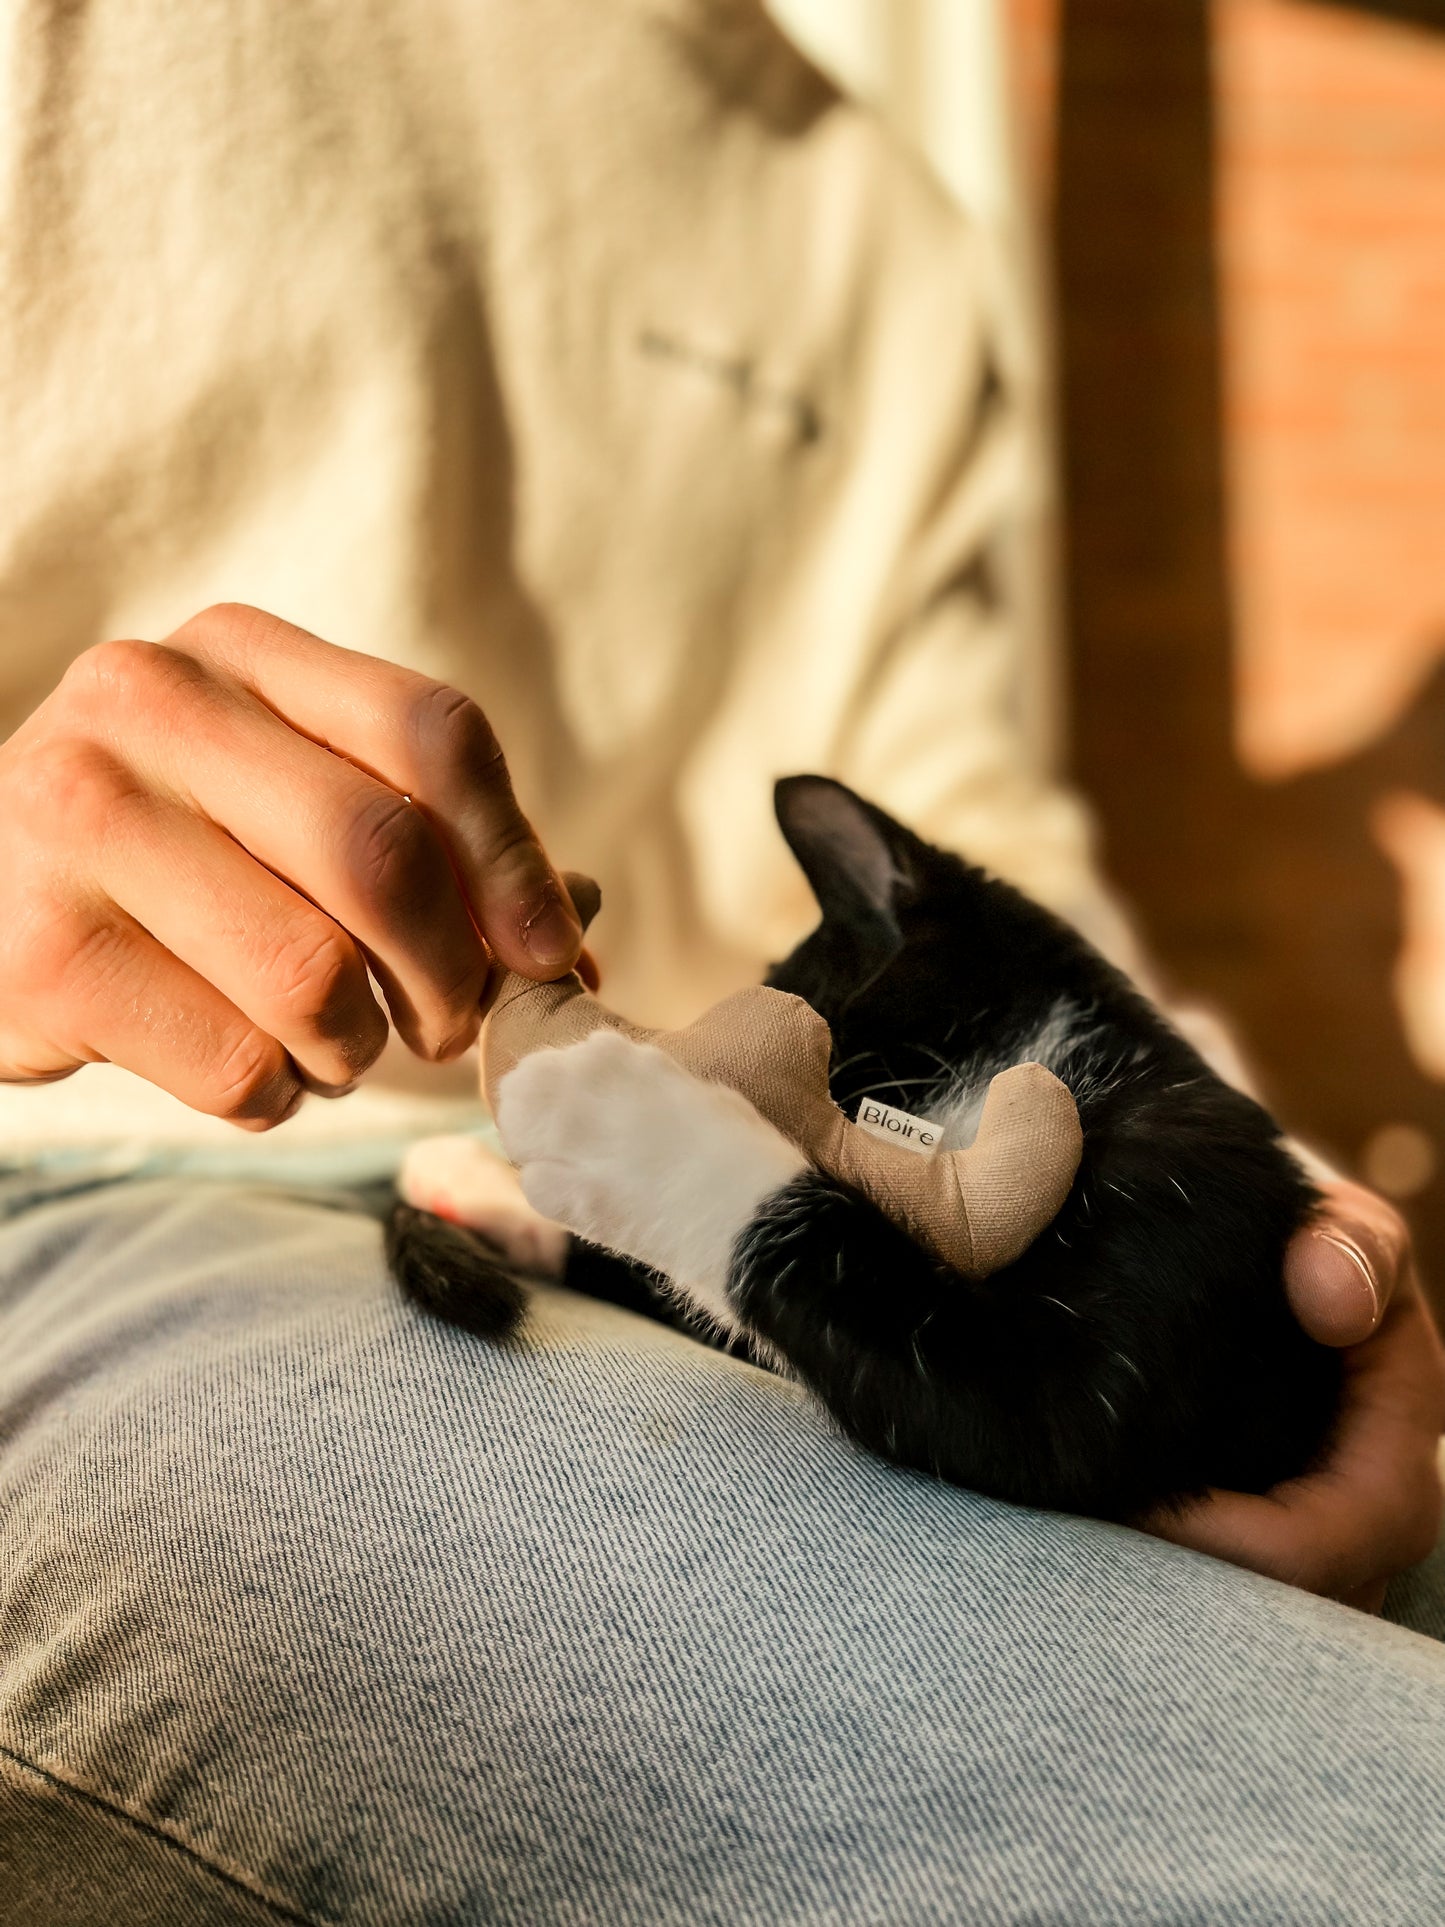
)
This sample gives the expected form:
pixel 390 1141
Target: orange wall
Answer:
pixel 1331 218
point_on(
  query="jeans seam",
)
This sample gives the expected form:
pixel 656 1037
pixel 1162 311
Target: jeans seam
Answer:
pixel 279 1908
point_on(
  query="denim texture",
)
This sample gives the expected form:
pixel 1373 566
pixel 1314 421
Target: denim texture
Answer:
pixel 311 1609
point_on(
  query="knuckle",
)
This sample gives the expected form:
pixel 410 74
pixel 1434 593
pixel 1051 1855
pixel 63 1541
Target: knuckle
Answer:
pixel 314 976
pixel 117 682
pixel 464 993
pixel 510 852
pixel 230 639
pixel 106 664
pixel 390 854
pixel 513 834
pixel 92 954
pixel 67 962
pixel 317 984
pixel 121 671
pixel 448 728
pixel 229 615
pixel 231 624
pixel 46 950
pixel 252 1081
pixel 65 786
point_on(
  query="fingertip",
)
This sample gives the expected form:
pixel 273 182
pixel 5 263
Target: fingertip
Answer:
pixel 585 894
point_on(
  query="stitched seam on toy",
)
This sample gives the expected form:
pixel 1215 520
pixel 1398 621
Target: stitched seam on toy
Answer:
pixel 280 1908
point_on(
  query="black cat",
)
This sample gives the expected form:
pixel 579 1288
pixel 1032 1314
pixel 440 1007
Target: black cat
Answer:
pixel 1138 1352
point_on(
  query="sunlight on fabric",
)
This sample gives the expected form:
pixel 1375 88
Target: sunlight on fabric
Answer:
pixel 940 72
pixel 937 69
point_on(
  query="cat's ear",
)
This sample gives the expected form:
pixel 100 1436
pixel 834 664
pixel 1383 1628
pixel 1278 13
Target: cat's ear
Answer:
pixel 861 864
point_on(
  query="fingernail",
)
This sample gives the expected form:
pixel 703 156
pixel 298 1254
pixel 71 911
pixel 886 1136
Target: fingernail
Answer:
pixel 553 935
pixel 1343 1242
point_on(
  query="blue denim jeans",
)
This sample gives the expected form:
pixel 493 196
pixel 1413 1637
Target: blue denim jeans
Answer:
pixel 314 1610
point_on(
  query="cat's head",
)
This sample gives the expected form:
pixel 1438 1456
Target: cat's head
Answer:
pixel 921 962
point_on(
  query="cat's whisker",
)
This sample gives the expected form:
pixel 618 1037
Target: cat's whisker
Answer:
pixel 904 1083
pixel 917 1354
pixel 945 1064
pixel 858 1057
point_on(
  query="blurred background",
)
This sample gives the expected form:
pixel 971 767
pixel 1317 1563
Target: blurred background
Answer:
pixel 1222 228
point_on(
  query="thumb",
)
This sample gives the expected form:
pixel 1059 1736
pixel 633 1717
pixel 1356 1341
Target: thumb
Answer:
pixel 1340 1270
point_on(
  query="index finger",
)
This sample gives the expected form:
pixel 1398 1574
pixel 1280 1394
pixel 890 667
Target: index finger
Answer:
pixel 424 740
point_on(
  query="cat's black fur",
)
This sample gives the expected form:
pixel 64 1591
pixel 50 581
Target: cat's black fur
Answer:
pixel 1141 1349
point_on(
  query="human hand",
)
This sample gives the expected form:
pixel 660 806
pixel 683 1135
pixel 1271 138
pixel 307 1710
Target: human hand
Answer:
pixel 1373 1508
pixel 206 842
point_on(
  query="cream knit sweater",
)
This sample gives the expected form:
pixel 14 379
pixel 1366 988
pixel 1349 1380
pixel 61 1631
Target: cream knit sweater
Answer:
pixel 590 354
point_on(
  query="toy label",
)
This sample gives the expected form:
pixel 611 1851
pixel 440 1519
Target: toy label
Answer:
pixel 899 1127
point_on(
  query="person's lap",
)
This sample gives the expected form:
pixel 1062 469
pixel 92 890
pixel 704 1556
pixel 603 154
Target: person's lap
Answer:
pixel 311 1608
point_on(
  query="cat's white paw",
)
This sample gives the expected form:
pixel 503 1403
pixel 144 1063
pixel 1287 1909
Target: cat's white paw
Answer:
pixel 465 1181
pixel 620 1144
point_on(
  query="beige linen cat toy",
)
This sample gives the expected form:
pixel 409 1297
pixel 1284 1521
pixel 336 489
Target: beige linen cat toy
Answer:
pixel 978 1208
